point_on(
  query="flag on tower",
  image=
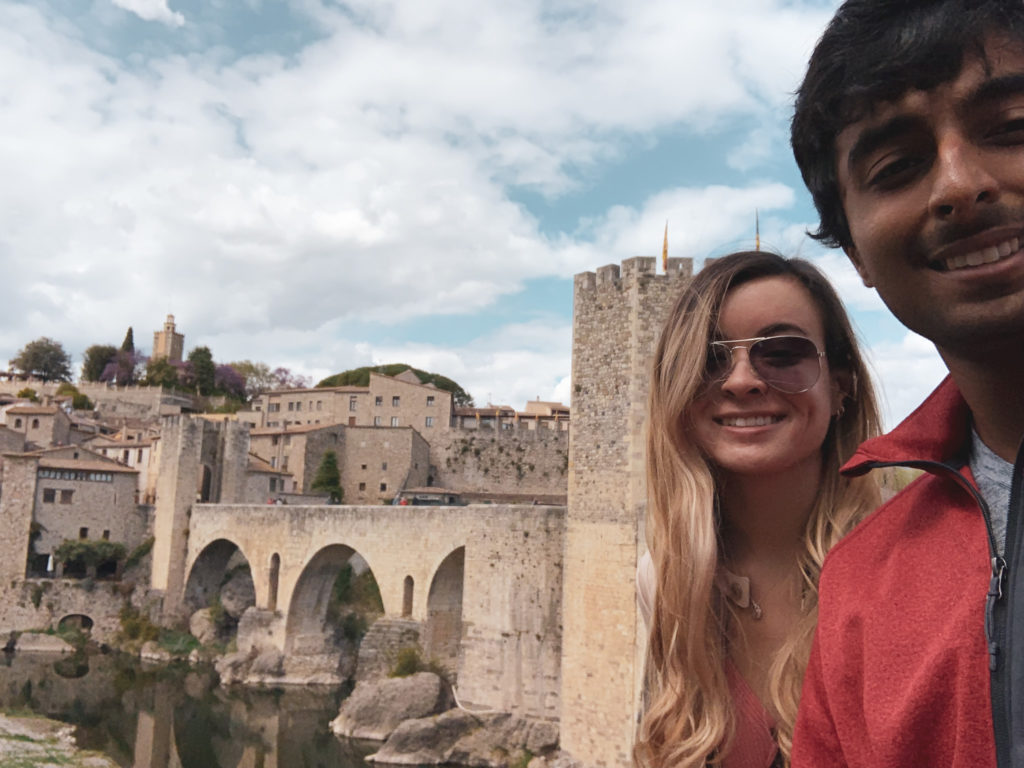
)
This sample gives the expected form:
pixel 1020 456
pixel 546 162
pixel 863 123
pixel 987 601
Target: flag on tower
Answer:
pixel 664 251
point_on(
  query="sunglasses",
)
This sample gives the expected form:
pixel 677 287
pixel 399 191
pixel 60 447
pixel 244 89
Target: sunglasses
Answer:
pixel 790 364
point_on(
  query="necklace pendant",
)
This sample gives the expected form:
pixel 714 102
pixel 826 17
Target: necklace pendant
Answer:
pixel 758 613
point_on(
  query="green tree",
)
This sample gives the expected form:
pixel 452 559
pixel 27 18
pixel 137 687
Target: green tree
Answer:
pixel 29 394
pixel 160 373
pixel 128 345
pixel 328 479
pixel 96 359
pixel 360 377
pixel 204 369
pixel 44 358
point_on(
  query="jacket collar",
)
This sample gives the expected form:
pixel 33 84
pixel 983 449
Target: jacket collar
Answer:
pixel 937 431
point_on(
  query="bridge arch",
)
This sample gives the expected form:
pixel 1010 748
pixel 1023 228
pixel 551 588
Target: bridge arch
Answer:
pixel 216 564
pixel 306 628
pixel 443 630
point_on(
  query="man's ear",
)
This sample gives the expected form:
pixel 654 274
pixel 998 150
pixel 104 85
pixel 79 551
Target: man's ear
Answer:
pixel 858 264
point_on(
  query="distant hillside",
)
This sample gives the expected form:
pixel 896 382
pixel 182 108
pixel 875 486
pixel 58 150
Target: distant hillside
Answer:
pixel 360 377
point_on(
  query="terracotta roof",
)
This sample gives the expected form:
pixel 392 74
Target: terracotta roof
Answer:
pixel 291 429
pixel 85 464
pixel 256 464
pixel 285 392
pixel 28 410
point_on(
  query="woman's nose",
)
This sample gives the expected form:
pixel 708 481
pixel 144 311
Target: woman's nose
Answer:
pixel 742 377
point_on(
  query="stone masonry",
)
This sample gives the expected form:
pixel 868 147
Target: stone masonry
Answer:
pixel 617 315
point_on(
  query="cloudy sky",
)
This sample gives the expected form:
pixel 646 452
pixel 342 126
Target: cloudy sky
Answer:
pixel 322 184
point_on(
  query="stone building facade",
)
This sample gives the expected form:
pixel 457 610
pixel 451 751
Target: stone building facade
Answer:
pixel 617 316
pixel 42 425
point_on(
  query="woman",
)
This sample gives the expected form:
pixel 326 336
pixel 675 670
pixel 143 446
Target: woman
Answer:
pixel 758 395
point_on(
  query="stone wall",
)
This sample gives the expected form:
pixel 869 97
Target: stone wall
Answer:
pixel 522 461
pixel 40 604
pixel 19 482
pixel 617 315
pixel 135 402
pixel 379 461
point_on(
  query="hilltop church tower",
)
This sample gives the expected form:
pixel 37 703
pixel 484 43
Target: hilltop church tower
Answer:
pixel 617 316
pixel 168 343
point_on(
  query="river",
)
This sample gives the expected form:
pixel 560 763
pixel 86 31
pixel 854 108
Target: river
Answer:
pixel 143 716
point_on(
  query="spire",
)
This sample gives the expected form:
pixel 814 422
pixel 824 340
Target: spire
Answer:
pixel 664 251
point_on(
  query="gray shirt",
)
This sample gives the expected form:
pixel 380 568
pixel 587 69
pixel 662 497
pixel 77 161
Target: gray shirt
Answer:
pixel 994 477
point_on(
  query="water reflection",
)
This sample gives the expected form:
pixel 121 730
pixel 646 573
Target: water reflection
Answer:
pixel 158 717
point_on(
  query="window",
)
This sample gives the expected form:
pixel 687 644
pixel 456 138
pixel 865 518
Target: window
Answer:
pixel 124 456
pixel 106 535
pixel 287 439
pixel 430 400
pixel 377 421
pixel 383 486
pixel 298 406
pixel 383 465
pixel 257 407
pixel 311 405
pixel 273 462
pixel 362 466
pixel 394 421
pixel 273 484
pixel 506 425
pixel 284 463
pixel 430 421
pixel 362 486
pixel 319 405
pixel 35 423
pixel 274 439
pixel 138 456
pixel 352 403
pixel 49 495
pixel 378 400
pixel 17 423
pixel 65 496
pixel 273 408
pixel 83 533
pixel 395 401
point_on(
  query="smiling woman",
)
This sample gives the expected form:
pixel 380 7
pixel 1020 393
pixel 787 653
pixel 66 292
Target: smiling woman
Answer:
pixel 758 394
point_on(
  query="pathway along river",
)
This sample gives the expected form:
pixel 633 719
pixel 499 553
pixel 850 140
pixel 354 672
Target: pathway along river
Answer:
pixel 176 717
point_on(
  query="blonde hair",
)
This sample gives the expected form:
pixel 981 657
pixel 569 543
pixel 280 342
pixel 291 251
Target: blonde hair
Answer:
pixel 689 720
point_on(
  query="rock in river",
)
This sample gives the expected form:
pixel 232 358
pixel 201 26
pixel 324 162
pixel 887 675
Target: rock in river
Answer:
pixel 376 707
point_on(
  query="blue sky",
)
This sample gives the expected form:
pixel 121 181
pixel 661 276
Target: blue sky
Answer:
pixel 323 185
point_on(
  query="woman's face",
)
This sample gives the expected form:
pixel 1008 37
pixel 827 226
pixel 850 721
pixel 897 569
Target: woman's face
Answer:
pixel 746 427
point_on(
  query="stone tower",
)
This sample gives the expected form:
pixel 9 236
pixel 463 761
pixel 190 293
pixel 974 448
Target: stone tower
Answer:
pixel 617 316
pixel 168 343
pixel 200 461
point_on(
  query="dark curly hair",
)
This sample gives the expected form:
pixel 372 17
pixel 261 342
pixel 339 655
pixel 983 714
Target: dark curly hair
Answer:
pixel 877 50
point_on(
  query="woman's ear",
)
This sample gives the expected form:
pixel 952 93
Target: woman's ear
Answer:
pixel 843 387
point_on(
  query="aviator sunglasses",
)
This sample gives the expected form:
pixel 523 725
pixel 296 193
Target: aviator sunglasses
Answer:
pixel 790 364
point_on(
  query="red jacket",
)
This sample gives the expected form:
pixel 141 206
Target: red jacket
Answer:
pixel 899 671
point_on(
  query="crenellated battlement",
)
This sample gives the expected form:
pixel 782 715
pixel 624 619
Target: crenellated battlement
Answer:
pixel 631 273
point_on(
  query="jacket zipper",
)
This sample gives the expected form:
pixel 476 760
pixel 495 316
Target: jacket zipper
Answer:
pixel 996 635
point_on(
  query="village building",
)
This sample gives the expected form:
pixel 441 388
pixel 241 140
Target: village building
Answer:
pixel 73 493
pixel 42 425
pixel 168 343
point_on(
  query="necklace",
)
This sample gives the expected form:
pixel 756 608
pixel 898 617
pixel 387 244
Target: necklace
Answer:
pixel 740 593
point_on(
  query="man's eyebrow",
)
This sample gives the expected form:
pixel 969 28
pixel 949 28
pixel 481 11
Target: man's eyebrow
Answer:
pixel 876 136
pixel 997 88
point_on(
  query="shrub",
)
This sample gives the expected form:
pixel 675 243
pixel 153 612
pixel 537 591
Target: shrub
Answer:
pixel 177 643
pixel 408 661
pixel 29 394
pixel 135 625
pixel 136 555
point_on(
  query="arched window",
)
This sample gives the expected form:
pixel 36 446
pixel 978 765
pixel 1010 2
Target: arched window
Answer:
pixel 35 423
pixel 407 597
pixel 275 570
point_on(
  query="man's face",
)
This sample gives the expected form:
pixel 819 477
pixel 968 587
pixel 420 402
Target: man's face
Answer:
pixel 933 189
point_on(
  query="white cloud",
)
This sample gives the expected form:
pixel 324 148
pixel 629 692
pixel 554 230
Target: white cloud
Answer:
pixel 907 371
pixel 269 202
pixel 152 10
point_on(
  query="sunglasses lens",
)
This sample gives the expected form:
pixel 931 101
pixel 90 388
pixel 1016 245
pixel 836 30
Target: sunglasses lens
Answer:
pixel 718 363
pixel 789 363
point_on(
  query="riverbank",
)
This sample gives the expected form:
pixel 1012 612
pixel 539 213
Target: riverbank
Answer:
pixel 37 742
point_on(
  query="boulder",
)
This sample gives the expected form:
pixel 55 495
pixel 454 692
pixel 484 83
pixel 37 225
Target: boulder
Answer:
pixel 202 626
pixel 269 663
pixel 238 593
pixel 375 708
pixel 426 741
pixel 35 642
pixel 151 651
pixel 232 667
pixel 481 740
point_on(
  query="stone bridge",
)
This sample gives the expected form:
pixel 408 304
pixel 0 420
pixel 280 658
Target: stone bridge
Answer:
pixel 484 581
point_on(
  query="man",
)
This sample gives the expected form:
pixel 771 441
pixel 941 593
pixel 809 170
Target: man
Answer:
pixel 909 132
